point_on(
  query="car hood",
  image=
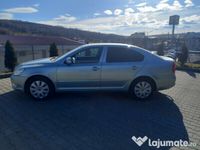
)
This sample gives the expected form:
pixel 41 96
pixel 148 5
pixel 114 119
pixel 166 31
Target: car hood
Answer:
pixel 38 62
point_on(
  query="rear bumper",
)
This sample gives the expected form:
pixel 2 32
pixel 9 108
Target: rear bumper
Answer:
pixel 166 82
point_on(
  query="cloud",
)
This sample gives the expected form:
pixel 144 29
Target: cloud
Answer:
pixel 141 4
pixel 121 24
pixel 36 5
pixel 97 14
pixel 6 16
pixel 67 14
pixel 176 5
pixel 162 5
pixel 128 11
pixel 117 12
pixel 64 18
pixel 61 20
pixel 147 9
pixel 164 1
pixel 142 20
pixel 102 24
pixel 131 2
pixel 188 3
pixel 108 12
pixel 124 21
pixel 193 19
pixel 21 10
pixel 119 21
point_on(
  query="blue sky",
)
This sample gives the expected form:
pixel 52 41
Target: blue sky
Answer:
pixel 109 16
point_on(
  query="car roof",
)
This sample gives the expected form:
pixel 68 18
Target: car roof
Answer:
pixel 108 44
pixel 116 44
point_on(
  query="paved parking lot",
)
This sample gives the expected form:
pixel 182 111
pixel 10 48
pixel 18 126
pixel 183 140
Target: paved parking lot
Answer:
pixel 100 121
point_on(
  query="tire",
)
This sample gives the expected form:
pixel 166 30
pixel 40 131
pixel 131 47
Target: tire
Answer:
pixel 39 88
pixel 142 89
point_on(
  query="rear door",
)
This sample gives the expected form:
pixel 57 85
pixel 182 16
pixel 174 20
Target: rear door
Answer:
pixel 120 66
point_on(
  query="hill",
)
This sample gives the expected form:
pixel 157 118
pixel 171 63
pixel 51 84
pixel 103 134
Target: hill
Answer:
pixel 15 27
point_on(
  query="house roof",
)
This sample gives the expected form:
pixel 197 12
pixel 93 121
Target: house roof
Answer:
pixel 37 40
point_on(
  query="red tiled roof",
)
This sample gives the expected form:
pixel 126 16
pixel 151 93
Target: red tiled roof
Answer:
pixel 37 40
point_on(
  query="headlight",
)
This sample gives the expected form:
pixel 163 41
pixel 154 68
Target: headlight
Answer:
pixel 18 71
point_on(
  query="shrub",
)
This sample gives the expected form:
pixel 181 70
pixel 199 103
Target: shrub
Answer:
pixel 160 50
pixel 10 60
pixel 184 54
pixel 53 50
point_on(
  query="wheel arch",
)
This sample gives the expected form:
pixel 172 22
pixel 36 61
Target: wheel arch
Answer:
pixel 144 78
pixel 37 76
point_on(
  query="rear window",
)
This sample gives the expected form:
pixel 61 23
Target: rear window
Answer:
pixel 123 54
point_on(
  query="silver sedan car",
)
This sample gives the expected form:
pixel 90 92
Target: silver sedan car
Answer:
pixel 102 66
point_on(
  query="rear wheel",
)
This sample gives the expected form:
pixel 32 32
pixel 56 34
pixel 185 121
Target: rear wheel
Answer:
pixel 40 88
pixel 142 88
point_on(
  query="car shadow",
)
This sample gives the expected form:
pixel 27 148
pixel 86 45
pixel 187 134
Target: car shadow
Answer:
pixel 92 120
pixel 191 73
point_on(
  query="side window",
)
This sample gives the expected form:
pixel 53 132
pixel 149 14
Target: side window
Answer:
pixel 88 55
pixel 123 54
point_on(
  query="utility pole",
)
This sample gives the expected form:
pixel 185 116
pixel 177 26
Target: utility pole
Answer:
pixel 173 28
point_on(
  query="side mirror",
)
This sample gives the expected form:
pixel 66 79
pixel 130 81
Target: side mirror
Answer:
pixel 70 60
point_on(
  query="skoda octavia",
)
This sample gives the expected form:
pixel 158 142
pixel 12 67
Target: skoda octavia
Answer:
pixel 103 66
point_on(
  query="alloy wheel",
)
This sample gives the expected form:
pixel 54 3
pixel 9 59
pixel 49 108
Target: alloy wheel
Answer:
pixel 39 89
pixel 143 89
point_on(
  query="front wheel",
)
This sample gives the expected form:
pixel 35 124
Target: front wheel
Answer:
pixel 40 88
pixel 142 89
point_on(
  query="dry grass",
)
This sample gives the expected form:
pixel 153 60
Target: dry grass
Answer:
pixel 5 71
pixel 188 65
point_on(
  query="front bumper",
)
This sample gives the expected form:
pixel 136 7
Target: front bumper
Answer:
pixel 18 82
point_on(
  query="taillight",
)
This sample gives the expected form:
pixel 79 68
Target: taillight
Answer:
pixel 174 67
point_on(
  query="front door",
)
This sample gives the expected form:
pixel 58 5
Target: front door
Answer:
pixel 84 73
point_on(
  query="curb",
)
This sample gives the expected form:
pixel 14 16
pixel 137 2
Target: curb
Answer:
pixel 189 69
pixel 5 75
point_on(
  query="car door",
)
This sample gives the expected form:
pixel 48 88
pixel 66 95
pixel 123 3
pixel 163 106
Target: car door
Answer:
pixel 120 66
pixel 84 73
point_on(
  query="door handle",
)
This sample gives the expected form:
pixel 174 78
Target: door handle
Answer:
pixel 95 68
pixel 134 67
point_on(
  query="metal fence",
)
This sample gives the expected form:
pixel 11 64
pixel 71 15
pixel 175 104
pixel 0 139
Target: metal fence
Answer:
pixel 30 52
